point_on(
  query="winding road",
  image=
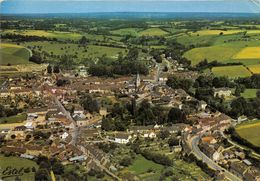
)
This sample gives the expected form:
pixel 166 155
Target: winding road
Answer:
pixel 199 154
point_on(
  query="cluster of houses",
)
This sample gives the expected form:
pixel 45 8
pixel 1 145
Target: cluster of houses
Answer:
pixel 229 157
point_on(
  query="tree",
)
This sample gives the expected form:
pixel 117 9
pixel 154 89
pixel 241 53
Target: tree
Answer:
pixel 58 168
pixel 164 134
pixel 13 136
pixel 126 161
pixel 258 94
pixel 56 69
pixel 49 69
pixel 36 58
pixel 173 142
pixel 132 54
pixel 42 175
pixel 83 40
pixel 237 91
pixel 107 124
pixel 176 116
pixel 90 104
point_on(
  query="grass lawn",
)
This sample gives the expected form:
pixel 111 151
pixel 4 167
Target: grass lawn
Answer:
pixel 153 32
pixel 140 167
pixel 254 68
pixel 231 71
pixel 13 54
pixel 16 163
pixel 249 93
pixel 14 119
pixel 250 131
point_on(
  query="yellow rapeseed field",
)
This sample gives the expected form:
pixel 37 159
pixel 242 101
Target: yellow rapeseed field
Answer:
pixel 248 53
pixel 254 68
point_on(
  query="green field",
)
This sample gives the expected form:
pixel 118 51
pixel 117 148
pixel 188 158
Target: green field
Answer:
pixel 153 32
pixel 48 34
pixel 140 167
pixel 250 131
pixel 13 54
pixel 249 93
pixel 90 51
pixel 231 71
pixel 255 69
pixel 219 53
pixel 16 163
pixel 126 31
pixel 13 119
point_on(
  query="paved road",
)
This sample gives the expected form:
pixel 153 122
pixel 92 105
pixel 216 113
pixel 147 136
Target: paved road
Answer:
pixel 208 161
pixel 75 129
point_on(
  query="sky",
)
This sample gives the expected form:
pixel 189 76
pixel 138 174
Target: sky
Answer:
pixel 88 6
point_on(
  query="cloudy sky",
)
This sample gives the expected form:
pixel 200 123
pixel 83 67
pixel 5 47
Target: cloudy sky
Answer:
pixel 85 6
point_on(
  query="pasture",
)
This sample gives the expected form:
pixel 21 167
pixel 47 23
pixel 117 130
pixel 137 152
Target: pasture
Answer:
pixel 255 69
pixel 13 165
pixel 89 51
pixel 153 32
pixel 13 54
pixel 248 53
pixel 249 93
pixel 219 53
pixel 216 32
pixel 250 131
pixel 231 71
pixel 48 34
pixel 126 31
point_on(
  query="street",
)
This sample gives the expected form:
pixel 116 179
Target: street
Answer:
pixel 199 154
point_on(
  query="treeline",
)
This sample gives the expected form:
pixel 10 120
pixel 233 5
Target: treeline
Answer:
pixel 250 82
pixel 157 158
pixel 6 112
pixel 25 38
pixel 192 158
pixel 205 64
pixel 235 136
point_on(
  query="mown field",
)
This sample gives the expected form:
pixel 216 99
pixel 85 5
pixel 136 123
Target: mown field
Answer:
pixel 13 54
pixel 231 71
pixel 250 131
pixel 17 164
